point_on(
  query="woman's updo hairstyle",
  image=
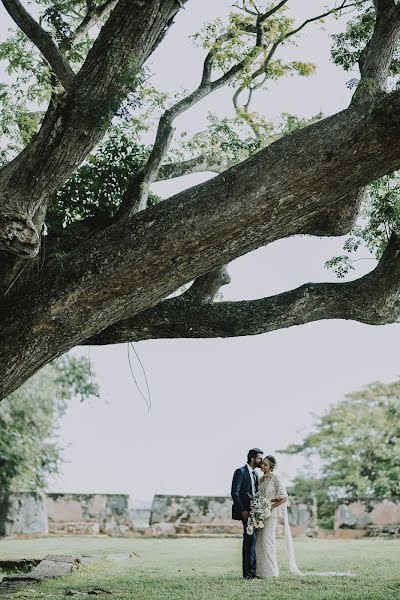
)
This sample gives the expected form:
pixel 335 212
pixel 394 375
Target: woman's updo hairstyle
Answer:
pixel 272 461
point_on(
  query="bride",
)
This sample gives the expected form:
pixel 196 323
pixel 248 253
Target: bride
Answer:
pixel 273 489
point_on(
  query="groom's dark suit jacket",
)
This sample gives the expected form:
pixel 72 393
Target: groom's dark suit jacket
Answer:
pixel 241 488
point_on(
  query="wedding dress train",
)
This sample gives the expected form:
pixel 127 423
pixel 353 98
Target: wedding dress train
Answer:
pixel 266 564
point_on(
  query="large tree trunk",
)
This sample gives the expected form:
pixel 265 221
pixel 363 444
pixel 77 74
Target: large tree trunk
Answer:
pixel 285 189
pixel 78 119
pixel 112 286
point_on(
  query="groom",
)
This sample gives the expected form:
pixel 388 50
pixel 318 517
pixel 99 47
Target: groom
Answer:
pixel 244 485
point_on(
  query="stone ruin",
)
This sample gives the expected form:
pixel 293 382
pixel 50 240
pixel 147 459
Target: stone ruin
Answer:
pixel 88 514
pixel 213 515
pixel 36 514
pixel 23 514
pixel 368 516
pixel 111 514
pixel 30 513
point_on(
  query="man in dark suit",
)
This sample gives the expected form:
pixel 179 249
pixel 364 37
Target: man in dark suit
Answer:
pixel 244 485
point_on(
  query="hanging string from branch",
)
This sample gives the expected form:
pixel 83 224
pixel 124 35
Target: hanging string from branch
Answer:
pixel 146 397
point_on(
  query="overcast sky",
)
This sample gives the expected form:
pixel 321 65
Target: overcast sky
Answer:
pixel 214 399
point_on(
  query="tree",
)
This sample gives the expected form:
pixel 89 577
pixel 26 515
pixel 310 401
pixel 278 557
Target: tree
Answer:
pixel 380 209
pixel 30 450
pixel 357 443
pixel 98 276
pixel 307 485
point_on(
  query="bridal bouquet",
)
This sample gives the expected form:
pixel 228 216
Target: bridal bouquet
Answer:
pixel 260 509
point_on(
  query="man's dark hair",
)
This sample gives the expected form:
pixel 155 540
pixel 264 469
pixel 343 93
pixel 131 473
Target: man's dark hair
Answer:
pixel 253 453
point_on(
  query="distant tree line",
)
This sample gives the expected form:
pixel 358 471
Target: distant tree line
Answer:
pixel 356 445
pixel 30 448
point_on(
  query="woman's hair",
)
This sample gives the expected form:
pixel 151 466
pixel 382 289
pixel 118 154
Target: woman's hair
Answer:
pixel 272 461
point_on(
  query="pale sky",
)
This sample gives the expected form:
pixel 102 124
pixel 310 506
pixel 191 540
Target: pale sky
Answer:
pixel 212 400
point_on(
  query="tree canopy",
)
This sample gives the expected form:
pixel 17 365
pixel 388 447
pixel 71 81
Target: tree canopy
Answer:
pixel 30 450
pixel 89 255
pixel 356 444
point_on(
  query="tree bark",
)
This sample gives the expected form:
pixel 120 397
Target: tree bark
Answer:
pixel 372 299
pixel 43 40
pixel 377 56
pixel 78 120
pixel 307 183
pixel 283 190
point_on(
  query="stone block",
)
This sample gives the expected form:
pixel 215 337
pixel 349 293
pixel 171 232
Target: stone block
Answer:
pixel 109 511
pixel 213 514
pixel 363 513
pixel 64 509
pixel 160 529
pixel 51 567
pixel 71 528
pixel 23 513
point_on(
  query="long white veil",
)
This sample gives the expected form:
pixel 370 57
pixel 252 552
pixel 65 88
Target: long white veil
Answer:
pixel 293 568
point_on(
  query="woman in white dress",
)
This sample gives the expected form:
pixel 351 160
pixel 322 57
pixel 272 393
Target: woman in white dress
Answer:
pixel 272 487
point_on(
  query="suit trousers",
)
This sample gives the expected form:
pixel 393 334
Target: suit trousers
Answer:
pixel 249 552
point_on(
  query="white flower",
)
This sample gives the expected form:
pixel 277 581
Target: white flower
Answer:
pixel 260 509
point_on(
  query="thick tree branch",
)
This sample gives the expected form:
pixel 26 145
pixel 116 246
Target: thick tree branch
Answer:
pixel 381 5
pixel 375 60
pixel 131 266
pixel 206 287
pixel 79 120
pixel 94 15
pixel 373 299
pixel 70 237
pixel 338 218
pixel 58 242
pixel 42 40
pixel 198 164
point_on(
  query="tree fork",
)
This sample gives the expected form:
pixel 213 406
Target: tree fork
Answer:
pixel 79 119
pixel 280 191
pixel 372 299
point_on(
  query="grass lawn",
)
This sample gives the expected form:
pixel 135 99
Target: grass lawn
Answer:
pixel 209 569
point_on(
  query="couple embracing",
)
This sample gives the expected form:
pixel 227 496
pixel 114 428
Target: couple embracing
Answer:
pixel 259 503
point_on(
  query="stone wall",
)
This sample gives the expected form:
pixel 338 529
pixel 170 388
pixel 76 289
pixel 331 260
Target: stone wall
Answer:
pixel 193 514
pixel 140 517
pixel 213 514
pixel 23 514
pixel 88 514
pixel 303 518
pixel 368 515
pixel 111 514
pixel 30 513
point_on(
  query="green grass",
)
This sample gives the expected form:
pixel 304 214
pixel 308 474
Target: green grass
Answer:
pixel 209 569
